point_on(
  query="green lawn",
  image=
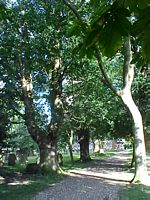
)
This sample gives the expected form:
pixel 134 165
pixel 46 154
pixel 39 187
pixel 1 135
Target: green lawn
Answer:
pixel 24 190
pixel 136 192
pixel 77 164
pixel 20 186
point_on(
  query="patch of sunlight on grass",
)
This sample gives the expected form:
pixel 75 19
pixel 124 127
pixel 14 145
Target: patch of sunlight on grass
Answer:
pixel 27 182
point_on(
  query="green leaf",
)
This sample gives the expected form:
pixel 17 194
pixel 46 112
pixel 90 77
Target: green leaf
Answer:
pixel 92 37
pixel 3 11
pixel 131 4
pixel 94 3
pixel 143 21
pixel 111 40
pixel 121 22
pixel 141 29
pixel 76 28
pixel 143 4
pixel 146 44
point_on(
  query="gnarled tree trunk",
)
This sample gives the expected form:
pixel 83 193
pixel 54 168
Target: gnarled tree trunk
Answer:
pixel 46 140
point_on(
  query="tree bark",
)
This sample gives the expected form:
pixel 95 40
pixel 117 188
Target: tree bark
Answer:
pixel 133 155
pixel 83 138
pixel 48 155
pixel 141 174
pixel 70 146
pixel 46 140
pixel 139 142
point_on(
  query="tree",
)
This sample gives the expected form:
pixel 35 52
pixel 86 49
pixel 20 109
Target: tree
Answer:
pixel 33 67
pixel 110 31
pixel 4 126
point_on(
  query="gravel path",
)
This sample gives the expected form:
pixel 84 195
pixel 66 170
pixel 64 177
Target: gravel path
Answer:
pixel 103 181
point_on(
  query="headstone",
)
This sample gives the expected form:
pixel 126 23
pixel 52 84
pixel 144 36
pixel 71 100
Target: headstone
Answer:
pixel 1 162
pixel 32 168
pixel 11 159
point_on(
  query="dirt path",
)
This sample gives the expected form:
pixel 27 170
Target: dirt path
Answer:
pixel 103 181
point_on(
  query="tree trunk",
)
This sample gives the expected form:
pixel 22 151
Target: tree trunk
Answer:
pixel 84 137
pixel 133 155
pixel 141 174
pixel 70 146
pixel 71 153
pixel 140 151
pixel 93 142
pixel 48 155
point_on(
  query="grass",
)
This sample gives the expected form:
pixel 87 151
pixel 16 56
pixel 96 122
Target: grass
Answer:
pixel 20 186
pixel 78 164
pixel 24 190
pixel 136 192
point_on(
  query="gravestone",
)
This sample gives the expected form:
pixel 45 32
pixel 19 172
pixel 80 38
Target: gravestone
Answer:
pixel 11 159
pixel 32 168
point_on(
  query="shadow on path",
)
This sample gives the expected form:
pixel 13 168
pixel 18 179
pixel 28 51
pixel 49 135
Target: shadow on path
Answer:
pixel 115 168
pixel 103 181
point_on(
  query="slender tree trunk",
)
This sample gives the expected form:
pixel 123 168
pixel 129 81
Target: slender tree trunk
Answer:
pixel 133 155
pixel 70 146
pixel 141 174
pixel 71 153
pixel 83 137
pixel 93 142
pixel 139 142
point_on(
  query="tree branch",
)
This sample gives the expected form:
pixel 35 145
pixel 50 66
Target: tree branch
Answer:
pixel 128 68
pixel 72 7
pixel 97 53
pixel 101 67
pixel 15 110
pixel 18 112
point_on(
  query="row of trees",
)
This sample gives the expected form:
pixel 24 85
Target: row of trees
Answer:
pixel 60 62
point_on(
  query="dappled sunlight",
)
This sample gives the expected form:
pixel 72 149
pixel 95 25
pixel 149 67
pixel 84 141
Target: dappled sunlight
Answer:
pixel 111 170
pixel 115 169
pixel 25 182
pixel 2 180
pixel 112 176
pixel 15 181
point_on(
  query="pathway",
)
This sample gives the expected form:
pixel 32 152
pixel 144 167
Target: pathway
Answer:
pixel 103 181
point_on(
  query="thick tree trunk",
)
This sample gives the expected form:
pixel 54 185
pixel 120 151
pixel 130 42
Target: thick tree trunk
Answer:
pixel 84 137
pixel 48 155
pixel 139 142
